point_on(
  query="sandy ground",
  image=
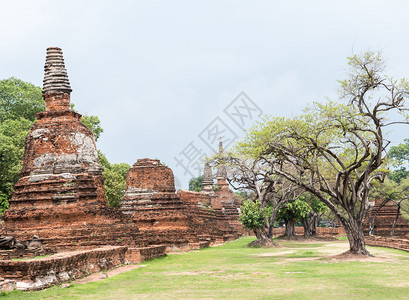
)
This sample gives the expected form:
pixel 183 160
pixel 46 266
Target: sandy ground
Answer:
pixel 335 251
pixel 102 275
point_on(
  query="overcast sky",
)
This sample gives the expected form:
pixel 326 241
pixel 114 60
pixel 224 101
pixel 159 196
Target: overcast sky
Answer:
pixel 160 74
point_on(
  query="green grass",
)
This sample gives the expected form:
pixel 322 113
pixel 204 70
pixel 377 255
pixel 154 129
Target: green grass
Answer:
pixel 30 258
pixel 233 271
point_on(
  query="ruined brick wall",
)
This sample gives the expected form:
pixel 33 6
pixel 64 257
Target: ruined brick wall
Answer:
pixel 227 205
pixel 150 174
pixel 202 217
pixel 389 242
pixel 385 218
pixel 182 220
pixel 43 272
pixel 150 200
pixel 137 255
pixel 321 231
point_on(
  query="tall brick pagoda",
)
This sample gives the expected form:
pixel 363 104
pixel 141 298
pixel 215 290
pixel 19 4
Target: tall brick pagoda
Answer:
pixel 60 194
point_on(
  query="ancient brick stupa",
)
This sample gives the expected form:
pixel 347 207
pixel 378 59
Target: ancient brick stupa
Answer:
pixel 60 194
pixel 225 204
pixel 207 178
pixel 151 201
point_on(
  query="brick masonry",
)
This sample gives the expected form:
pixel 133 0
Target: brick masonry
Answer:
pixel 60 198
pixel 389 242
pixel 182 220
pixel 321 231
pixel 60 195
pixel 385 218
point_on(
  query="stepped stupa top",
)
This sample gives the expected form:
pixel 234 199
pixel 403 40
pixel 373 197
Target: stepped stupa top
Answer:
pixel 221 170
pixel 207 175
pixel 55 74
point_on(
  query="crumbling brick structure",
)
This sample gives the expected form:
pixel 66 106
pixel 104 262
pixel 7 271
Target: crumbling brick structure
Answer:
pixel 151 201
pixel 60 194
pixel 183 220
pixel 385 216
pixel 226 205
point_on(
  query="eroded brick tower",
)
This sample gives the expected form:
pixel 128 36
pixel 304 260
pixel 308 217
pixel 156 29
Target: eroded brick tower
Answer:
pixel 60 194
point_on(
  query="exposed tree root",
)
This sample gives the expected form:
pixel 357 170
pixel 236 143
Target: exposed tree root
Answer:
pixel 263 243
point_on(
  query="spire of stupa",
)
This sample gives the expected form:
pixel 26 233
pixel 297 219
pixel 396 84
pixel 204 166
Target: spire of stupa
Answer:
pixel 55 74
pixel 221 170
pixel 207 177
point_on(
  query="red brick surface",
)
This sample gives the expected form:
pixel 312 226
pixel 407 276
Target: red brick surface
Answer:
pixel 43 272
pixel 184 220
pixel 60 196
pixel 385 218
pixel 389 242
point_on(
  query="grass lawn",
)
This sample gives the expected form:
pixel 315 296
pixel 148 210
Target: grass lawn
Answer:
pixel 296 270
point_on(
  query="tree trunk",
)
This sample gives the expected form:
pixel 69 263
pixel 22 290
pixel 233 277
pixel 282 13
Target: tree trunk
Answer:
pixel 310 225
pixel 290 228
pixel 307 228
pixel 314 225
pixel 356 238
pixel 262 239
pixel 395 221
pixel 373 219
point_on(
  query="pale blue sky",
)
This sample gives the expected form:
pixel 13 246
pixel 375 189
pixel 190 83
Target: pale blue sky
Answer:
pixel 157 73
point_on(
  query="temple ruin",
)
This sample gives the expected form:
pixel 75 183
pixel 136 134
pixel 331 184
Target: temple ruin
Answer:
pixel 60 195
pixel 59 202
pixel 383 216
pixel 185 219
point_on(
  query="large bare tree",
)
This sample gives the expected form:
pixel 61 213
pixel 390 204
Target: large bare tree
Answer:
pixel 270 191
pixel 335 150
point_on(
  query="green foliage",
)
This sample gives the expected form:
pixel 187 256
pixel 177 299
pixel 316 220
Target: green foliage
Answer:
pixel 19 103
pixel 196 183
pixel 251 215
pixel 295 210
pixel 19 99
pixel 114 180
pixel 244 195
pixel 399 156
pixel 315 204
pixel 92 122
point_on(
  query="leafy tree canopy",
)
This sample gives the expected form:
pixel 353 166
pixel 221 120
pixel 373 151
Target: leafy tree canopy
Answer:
pixel 19 103
pixel 114 180
pixel 295 210
pixel 399 156
pixel 19 99
pixel 195 184
pixel 252 216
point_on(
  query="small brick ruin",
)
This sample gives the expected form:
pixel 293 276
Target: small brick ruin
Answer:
pixel 60 198
pixel 385 216
pixel 184 219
